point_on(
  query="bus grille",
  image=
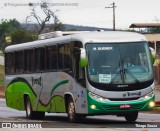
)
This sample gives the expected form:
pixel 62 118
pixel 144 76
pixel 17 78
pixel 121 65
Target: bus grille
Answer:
pixel 117 107
pixel 123 99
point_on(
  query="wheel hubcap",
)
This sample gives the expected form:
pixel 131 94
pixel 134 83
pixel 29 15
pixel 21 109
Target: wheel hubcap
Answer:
pixel 71 109
pixel 28 109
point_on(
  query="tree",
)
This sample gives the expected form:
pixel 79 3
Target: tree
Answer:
pixel 58 26
pixel 72 29
pixel 12 29
pixel 49 15
pixel 21 36
pixel 6 26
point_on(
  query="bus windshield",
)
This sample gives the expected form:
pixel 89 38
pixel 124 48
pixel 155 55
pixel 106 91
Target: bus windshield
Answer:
pixel 119 63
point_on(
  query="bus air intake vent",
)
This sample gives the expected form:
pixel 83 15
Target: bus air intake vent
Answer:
pixel 123 99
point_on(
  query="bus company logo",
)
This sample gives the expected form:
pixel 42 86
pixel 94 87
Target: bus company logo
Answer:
pixel 124 95
pixel 36 81
pixel 129 94
pixel 134 93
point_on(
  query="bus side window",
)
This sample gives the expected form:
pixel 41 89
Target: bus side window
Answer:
pixel 51 57
pixel 9 62
pixel 29 61
pixel 60 57
pixel 64 57
pixel 67 57
pixel 40 59
pixel 19 61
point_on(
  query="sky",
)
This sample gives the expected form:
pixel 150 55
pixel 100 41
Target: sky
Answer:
pixel 87 12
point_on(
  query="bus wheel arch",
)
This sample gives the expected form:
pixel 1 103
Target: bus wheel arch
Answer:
pixel 30 114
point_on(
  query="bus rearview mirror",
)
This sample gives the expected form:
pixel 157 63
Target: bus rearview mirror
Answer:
pixel 83 58
pixel 153 54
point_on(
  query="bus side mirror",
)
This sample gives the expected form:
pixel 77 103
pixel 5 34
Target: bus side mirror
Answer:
pixel 153 54
pixel 153 57
pixel 83 58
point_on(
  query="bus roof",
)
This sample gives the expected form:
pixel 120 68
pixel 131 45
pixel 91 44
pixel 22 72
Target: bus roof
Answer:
pixel 88 37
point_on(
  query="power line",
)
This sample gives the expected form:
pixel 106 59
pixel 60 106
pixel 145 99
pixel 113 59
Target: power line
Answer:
pixel 81 8
pixel 113 6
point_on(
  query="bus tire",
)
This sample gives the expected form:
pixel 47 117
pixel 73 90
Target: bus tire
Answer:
pixel 131 117
pixel 30 114
pixel 72 116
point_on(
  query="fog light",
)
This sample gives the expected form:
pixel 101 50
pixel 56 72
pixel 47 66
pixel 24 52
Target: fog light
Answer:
pixel 151 104
pixel 93 106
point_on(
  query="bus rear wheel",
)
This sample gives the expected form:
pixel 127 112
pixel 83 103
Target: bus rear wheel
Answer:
pixel 30 114
pixel 72 116
pixel 131 117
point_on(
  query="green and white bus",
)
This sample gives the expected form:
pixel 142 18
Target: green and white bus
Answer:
pixel 91 73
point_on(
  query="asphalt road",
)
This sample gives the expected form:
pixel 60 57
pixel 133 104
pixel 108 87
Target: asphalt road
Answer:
pixel 146 120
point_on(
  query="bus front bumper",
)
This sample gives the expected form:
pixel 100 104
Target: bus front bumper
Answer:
pixel 113 107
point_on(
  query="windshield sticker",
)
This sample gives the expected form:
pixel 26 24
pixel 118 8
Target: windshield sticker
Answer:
pixel 102 48
pixel 104 78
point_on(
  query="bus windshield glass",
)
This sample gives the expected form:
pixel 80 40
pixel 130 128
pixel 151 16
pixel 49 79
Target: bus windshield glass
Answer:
pixel 119 63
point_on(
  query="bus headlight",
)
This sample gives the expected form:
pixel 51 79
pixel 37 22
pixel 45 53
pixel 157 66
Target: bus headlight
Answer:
pixel 93 106
pixel 151 104
pixel 96 97
pixel 149 95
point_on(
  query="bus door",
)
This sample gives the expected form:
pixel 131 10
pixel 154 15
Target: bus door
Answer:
pixel 79 75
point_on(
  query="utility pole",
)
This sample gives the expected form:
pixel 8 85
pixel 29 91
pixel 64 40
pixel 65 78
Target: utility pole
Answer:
pixel 156 19
pixel 113 6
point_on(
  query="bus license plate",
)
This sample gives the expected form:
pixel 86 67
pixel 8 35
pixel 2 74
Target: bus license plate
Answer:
pixel 125 106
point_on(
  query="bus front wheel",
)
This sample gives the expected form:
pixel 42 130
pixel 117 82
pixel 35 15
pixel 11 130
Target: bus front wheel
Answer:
pixel 72 116
pixel 30 114
pixel 131 117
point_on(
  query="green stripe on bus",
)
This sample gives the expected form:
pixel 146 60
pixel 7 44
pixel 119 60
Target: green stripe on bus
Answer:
pixel 15 95
pixel 58 84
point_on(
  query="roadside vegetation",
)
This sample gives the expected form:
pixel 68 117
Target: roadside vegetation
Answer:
pixel 1 80
pixel 1 76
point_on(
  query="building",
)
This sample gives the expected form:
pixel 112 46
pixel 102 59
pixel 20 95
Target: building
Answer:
pixel 153 38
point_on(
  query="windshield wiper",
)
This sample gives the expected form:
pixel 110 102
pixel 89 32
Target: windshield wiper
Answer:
pixel 122 72
pixel 126 70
